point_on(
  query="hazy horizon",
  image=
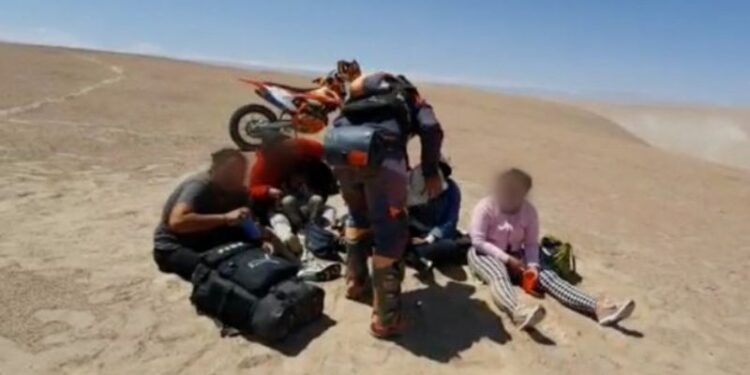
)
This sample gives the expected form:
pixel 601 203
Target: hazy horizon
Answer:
pixel 542 93
pixel 666 51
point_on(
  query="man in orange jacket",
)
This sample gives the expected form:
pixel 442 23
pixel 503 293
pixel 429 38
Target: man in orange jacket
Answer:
pixel 280 186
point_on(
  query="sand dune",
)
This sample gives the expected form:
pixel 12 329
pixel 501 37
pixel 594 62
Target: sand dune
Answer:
pixel 721 135
pixel 85 167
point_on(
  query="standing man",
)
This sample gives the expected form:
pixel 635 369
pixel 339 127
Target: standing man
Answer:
pixel 367 148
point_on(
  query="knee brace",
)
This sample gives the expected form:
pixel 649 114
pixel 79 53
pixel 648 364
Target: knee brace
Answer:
pixel 315 199
pixel 358 249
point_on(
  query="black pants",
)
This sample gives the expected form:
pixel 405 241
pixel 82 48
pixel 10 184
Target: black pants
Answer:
pixel 181 261
pixel 444 251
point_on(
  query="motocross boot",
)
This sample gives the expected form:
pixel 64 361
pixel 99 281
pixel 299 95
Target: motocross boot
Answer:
pixel 386 319
pixel 358 251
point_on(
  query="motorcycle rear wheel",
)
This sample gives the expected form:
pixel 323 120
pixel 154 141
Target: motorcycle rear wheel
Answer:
pixel 245 123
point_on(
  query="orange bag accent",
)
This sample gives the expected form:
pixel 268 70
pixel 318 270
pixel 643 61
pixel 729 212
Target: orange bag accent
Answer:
pixel 357 158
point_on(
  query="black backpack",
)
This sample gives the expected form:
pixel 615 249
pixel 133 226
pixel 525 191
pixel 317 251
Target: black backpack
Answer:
pixel 366 146
pixel 397 101
pixel 233 284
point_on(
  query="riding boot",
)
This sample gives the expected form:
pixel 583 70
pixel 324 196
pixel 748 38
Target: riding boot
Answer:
pixel 357 272
pixel 387 320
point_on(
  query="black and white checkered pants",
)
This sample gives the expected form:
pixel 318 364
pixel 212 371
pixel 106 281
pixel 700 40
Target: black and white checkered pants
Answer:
pixel 492 271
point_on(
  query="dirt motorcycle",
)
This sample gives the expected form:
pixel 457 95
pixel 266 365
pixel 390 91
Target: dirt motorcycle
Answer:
pixel 301 110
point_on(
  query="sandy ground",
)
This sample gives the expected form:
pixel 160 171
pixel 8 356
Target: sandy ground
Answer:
pixel 91 143
pixel 721 135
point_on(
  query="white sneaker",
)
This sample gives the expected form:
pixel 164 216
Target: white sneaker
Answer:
pixel 320 271
pixel 525 318
pixel 613 313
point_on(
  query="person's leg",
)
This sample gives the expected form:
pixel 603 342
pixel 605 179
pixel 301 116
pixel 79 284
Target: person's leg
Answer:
pixel 442 251
pixel 566 293
pixel 180 261
pixel 328 216
pixel 385 192
pixel 493 272
pixel 413 257
pixel 576 299
pixel 272 244
pixel 290 206
pixel 312 209
pixel 357 234
pixel 282 227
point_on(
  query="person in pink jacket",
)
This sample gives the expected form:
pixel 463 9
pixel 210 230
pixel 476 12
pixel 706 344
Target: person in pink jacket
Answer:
pixel 505 238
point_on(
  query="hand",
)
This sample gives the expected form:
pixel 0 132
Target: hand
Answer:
pixel 274 193
pixel 533 267
pixel 515 265
pixel 234 217
pixel 433 186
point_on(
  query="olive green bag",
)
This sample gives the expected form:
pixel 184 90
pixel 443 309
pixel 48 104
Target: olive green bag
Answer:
pixel 558 256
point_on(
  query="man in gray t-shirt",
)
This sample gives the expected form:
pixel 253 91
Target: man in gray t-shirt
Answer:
pixel 202 212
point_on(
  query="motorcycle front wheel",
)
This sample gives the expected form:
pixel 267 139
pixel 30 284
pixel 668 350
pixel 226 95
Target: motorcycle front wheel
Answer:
pixel 246 124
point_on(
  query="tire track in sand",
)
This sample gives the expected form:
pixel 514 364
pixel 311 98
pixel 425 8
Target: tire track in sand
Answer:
pixel 119 75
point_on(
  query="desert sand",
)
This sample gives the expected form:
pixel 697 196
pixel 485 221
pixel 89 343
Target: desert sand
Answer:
pixel 91 143
pixel 721 135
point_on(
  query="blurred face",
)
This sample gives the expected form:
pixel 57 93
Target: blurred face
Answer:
pixel 230 175
pixel 510 194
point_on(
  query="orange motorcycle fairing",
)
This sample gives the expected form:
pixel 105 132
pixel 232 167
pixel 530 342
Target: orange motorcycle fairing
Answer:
pixel 304 123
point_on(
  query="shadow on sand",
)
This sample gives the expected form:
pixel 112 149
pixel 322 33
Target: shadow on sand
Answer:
pixel 444 321
pixel 628 331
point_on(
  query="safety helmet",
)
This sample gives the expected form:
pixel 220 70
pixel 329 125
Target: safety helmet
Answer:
pixel 348 70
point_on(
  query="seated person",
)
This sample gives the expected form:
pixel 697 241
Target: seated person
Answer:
pixel 432 224
pixel 304 197
pixel 505 237
pixel 283 190
pixel 203 212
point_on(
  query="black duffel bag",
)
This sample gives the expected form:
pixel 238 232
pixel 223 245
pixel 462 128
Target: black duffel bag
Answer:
pixel 222 299
pixel 231 279
pixel 288 306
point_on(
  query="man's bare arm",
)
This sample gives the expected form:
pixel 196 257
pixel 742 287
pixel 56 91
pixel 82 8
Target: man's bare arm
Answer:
pixel 182 219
